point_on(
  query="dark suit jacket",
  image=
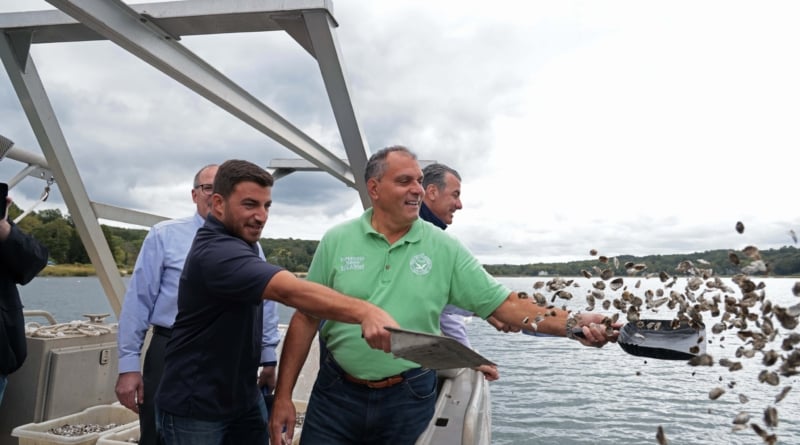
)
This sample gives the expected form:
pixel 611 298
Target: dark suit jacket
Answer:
pixel 21 258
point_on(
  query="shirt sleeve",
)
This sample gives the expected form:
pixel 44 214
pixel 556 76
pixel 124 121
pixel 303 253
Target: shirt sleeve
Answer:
pixel 455 310
pixel 271 336
pixel 452 325
pixel 319 270
pixel 22 255
pixel 473 288
pixel 139 301
pixel 234 271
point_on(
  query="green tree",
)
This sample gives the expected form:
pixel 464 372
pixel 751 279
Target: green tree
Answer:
pixel 29 224
pixel 76 253
pixel 49 215
pixel 56 235
pixel 281 257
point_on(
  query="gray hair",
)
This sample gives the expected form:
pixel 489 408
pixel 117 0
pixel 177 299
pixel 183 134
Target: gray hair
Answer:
pixel 436 174
pixel 196 182
pixel 376 165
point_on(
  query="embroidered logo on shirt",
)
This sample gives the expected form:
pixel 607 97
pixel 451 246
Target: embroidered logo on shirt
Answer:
pixel 351 263
pixel 420 264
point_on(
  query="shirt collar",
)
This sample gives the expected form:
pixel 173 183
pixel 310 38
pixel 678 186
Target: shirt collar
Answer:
pixel 414 233
pixel 426 214
pixel 198 220
pixel 216 226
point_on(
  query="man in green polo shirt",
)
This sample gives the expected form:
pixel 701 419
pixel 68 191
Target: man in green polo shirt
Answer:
pixel 411 269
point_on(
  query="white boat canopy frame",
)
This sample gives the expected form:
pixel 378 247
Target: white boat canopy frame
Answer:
pixel 152 32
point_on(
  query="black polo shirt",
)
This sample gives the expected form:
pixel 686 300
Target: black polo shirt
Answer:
pixel 214 352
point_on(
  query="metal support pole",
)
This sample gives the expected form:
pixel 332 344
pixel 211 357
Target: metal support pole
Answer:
pixel 140 35
pixel 29 88
pixel 326 48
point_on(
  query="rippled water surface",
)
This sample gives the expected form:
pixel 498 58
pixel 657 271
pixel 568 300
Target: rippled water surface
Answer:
pixel 555 391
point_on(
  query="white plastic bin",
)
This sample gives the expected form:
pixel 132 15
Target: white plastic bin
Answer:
pixel 36 433
pixel 125 436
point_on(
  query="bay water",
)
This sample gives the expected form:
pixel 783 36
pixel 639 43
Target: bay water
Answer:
pixel 556 391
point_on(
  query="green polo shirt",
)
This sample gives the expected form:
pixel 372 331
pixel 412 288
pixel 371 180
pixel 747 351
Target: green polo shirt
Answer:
pixel 412 280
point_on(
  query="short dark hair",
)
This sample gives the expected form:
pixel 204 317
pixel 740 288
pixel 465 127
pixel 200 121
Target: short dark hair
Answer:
pixel 376 165
pixel 234 171
pixel 436 174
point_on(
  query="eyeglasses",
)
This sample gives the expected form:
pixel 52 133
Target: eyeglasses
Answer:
pixel 205 188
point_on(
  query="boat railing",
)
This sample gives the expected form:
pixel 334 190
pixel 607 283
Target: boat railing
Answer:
pixel 40 313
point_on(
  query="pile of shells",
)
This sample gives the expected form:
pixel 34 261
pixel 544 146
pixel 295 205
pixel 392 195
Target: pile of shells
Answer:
pixel 743 311
pixel 79 429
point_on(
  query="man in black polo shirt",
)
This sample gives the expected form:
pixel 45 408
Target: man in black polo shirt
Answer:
pixel 208 394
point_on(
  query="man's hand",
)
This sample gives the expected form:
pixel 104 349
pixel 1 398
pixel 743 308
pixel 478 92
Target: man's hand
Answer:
pixel 281 421
pixel 267 378
pixel 500 326
pixel 372 328
pixel 130 390
pixel 595 333
pixel 490 372
pixel 5 226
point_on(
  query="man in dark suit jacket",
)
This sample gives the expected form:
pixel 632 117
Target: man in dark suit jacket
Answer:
pixel 21 258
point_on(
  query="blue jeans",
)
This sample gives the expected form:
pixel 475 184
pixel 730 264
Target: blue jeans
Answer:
pixel 346 413
pixel 249 428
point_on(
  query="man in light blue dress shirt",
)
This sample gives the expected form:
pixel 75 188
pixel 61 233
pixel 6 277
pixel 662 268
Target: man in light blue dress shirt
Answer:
pixel 152 299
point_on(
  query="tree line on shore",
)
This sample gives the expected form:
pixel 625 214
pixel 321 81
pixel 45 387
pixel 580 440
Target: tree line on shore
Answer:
pixel 778 262
pixel 57 232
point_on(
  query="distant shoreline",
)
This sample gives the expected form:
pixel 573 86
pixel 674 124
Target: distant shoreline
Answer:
pixel 72 270
pixel 88 270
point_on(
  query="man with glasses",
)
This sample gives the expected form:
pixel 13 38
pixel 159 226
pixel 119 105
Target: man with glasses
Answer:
pixel 152 300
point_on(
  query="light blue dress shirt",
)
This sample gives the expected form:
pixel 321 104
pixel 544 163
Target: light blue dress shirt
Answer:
pixel 452 323
pixel 152 294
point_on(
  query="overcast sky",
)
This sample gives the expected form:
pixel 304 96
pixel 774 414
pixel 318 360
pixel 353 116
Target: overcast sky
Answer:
pixel 630 127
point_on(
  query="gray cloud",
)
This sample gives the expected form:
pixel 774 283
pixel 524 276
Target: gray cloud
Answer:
pixel 569 134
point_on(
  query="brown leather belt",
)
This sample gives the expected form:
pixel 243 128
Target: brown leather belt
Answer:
pixel 375 384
